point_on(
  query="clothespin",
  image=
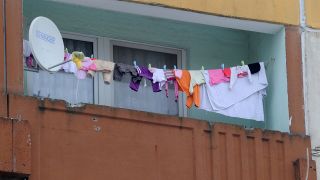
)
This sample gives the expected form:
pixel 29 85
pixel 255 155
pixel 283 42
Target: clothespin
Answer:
pixel 66 50
pixel 91 56
pixel 202 68
pixel 164 67
pixel 242 63
pixel 222 66
pixel 135 63
pixel 175 67
pixel 149 65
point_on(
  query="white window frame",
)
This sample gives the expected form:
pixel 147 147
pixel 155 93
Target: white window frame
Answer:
pixel 103 49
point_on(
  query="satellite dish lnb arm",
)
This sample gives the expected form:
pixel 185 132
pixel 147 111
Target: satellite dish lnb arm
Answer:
pixel 59 64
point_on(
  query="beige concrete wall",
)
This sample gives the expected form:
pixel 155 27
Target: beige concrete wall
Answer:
pixel 277 11
pixel 312 83
pixel 312 13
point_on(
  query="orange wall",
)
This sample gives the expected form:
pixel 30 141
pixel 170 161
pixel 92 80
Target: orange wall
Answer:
pixel 277 11
pixel 96 142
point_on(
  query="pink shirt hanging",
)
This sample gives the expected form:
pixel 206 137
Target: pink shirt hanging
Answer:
pixel 217 76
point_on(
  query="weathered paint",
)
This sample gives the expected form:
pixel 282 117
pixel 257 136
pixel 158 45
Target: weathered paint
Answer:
pixel 205 45
pixel 95 142
pixel 312 79
pixel 312 13
pixel 284 11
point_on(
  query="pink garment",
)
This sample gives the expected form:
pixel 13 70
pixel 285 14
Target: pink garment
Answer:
pixel 217 76
pixel 178 73
pixel 86 65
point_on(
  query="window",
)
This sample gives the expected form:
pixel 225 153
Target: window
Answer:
pixel 65 86
pixel 144 99
pixel 62 85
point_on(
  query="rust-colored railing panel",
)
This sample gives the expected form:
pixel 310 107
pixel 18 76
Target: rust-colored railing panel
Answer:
pixel 121 144
pixel 240 154
pixel 15 146
pixel 21 146
pixel 301 170
pixel 6 160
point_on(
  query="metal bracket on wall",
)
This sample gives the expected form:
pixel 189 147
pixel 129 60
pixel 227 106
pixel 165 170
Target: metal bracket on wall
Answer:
pixel 316 151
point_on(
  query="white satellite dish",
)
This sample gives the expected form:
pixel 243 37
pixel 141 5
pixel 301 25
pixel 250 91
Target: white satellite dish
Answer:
pixel 46 44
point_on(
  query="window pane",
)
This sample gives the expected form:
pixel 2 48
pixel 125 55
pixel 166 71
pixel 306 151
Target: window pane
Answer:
pixel 61 85
pixel 77 45
pixel 144 99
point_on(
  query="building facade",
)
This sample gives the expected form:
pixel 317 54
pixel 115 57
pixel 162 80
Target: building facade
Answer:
pixel 119 135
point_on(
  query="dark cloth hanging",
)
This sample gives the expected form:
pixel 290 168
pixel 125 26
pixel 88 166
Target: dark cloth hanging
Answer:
pixel 121 69
pixel 254 67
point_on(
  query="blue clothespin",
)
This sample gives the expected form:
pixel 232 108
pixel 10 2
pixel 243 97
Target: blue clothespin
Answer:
pixel 175 67
pixel 222 66
pixel 135 63
pixel 164 67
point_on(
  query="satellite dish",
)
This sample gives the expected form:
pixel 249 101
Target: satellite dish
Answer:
pixel 46 44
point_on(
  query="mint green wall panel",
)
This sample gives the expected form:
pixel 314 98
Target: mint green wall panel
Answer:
pixel 265 47
pixel 205 45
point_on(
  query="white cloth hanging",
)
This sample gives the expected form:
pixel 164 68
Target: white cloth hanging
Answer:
pixel 244 100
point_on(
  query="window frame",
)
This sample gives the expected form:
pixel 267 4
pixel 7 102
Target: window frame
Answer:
pixel 103 49
pixel 181 61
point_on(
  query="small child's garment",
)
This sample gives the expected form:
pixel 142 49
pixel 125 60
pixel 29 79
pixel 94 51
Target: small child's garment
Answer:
pixel 239 71
pixel 217 76
pixel 196 79
pixel 121 69
pixel 171 78
pixel 144 72
pixel 227 72
pixel 86 64
pixel 178 73
pixel 70 66
pixel 184 85
pixel 158 76
pixel 106 67
pixel 77 58
pixel 254 68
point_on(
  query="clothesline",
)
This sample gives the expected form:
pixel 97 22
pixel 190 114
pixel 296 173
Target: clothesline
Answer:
pixel 234 91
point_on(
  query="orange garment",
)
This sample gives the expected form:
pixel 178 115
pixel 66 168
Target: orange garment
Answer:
pixel 184 83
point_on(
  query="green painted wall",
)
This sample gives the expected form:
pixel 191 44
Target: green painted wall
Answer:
pixel 266 47
pixel 205 45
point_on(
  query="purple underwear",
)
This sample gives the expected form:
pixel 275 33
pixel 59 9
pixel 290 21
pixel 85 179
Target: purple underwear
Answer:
pixel 144 72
